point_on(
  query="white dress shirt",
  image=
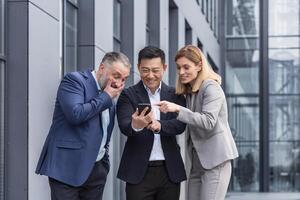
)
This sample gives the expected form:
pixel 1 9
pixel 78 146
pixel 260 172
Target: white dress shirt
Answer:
pixel 105 122
pixel 156 152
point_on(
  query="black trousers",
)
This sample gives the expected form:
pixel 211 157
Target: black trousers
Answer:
pixel 92 189
pixel 155 185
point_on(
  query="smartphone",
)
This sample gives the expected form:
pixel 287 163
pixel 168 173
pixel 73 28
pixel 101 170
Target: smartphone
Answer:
pixel 142 106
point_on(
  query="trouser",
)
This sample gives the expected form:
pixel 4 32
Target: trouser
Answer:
pixel 154 186
pixel 92 189
pixel 204 184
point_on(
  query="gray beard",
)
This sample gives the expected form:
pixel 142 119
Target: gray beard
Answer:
pixel 102 81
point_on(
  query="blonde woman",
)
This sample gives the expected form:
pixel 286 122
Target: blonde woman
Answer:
pixel 209 140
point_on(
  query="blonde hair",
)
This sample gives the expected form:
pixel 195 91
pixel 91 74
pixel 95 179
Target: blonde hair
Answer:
pixel 195 55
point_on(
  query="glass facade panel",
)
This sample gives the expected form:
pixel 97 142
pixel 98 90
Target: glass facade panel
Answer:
pixel 242 17
pixel 284 99
pixel 148 16
pixel 242 90
pixel 1 130
pixel 1 26
pixel 117 25
pixel 70 37
pixel 188 33
pixel 243 119
pixel 206 9
pixel 2 95
pixel 199 44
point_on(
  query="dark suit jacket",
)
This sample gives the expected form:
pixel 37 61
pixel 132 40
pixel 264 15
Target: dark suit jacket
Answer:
pixel 138 147
pixel 74 139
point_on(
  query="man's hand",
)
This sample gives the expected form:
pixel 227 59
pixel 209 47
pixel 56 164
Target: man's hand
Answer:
pixel 166 106
pixel 113 90
pixel 155 126
pixel 142 120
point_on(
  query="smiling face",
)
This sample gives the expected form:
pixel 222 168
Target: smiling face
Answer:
pixel 187 70
pixel 117 72
pixel 151 71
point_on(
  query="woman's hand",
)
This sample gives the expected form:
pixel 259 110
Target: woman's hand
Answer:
pixel 166 106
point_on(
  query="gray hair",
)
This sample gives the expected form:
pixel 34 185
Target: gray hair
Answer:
pixel 111 57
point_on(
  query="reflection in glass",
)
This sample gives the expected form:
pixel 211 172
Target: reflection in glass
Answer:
pixel 2 86
pixel 242 90
pixel 284 87
pixel 1 26
pixel 148 16
pixel 117 25
pixel 1 130
pixel 243 119
pixel 242 17
pixel 70 37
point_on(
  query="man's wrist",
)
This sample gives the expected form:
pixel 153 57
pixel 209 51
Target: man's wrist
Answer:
pixel 136 129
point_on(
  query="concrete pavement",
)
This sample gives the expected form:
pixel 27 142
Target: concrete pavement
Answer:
pixel 262 196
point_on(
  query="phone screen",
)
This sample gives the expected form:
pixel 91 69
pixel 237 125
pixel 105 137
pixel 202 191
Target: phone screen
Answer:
pixel 142 106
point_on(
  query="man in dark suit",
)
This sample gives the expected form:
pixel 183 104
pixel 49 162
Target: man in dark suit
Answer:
pixel 75 153
pixel 151 163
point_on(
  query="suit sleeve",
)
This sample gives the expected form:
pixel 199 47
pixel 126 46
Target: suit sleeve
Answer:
pixel 213 100
pixel 71 95
pixel 125 111
pixel 173 126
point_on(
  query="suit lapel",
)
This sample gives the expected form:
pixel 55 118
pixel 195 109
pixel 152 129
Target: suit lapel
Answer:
pixel 90 81
pixel 142 93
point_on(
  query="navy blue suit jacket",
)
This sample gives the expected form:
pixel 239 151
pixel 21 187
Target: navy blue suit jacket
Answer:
pixel 138 146
pixel 74 139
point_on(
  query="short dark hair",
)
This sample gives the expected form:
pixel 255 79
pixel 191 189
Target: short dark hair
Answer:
pixel 150 52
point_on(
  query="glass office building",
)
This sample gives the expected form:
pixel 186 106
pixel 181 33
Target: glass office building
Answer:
pixel 253 44
pixel 262 82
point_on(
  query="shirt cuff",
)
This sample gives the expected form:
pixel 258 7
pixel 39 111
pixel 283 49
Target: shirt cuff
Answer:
pixel 137 129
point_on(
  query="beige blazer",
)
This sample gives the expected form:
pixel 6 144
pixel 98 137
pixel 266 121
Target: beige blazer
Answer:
pixel 207 125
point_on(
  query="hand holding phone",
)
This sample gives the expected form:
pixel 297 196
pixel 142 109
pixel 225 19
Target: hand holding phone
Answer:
pixel 142 106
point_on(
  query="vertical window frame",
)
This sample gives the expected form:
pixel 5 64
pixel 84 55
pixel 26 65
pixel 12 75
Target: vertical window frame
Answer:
pixel 117 36
pixel 148 29
pixel 75 5
pixel 2 97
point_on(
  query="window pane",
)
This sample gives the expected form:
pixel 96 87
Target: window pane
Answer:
pixel 243 119
pixel 70 38
pixel 75 2
pixel 117 45
pixel 206 8
pixel 117 19
pixel 242 17
pixel 188 33
pixel 2 100
pixel 1 26
pixel 284 100
pixel 242 90
pixel 242 72
pixel 148 15
pixel 1 130
pixel 199 44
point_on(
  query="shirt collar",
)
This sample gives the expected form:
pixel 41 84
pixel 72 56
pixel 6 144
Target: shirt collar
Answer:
pixel 156 91
pixel 95 78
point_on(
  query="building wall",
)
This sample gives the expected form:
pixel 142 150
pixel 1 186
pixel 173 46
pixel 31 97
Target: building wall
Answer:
pixel 95 37
pixel 44 74
pixel 201 28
